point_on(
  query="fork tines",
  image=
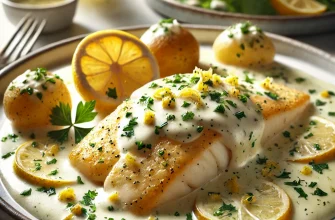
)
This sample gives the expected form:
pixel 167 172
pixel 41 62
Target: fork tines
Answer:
pixel 23 39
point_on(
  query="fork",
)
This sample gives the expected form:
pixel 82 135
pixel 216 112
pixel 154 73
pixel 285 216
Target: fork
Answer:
pixel 22 40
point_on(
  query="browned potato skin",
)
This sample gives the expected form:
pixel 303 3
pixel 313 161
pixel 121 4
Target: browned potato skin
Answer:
pixel 176 52
pixel 27 111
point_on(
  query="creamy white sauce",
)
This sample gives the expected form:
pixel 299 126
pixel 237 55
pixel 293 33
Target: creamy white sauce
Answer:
pixel 45 207
pixel 159 30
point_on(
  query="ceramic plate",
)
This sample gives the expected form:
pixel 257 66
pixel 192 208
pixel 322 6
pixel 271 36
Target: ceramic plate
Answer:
pixel 284 25
pixel 58 56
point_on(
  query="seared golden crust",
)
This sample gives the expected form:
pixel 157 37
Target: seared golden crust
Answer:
pixel 288 99
pixel 97 153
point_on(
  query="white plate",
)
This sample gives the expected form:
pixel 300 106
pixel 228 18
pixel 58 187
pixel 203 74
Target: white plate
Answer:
pixel 58 55
pixel 285 25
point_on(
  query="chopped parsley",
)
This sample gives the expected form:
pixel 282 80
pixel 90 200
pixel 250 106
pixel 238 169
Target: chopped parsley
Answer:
pixel 261 160
pixel 312 184
pixel 301 192
pixel 287 134
pixel 61 116
pixel 200 129
pixel 316 146
pixel 128 114
pixel 319 192
pixel 240 115
pixel 129 129
pixel 271 95
pixel 300 80
pixel 248 79
pixel 231 103
pixel 53 161
pixel 309 135
pixel 319 167
pixel 225 208
pixel 284 175
pixel 148 101
pixel 110 208
pixel 141 145
pixel 187 116
pixel 88 198
pixel 79 180
pixel 318 102
pixel 293 183
pixel 185 104
pixel 53 173
pixel 215 96
pixel 26 192
pixel 170 117
pixel 49 191
pixel 312 91
pixel 243 98
pixel 331 113
pixel 219 109
pixel 153 85
pixel 5 156
pixel 189 216
pixel 111 93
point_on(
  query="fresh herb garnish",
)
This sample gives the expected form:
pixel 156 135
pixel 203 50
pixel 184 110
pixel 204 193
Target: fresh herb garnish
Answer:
pixel 5 156
pixel 200 129
pixel 284 175
pixel 261 160
pixel 319 192
pixel 53 161
pixel 271 95
pixel 187 116
pixel 128 114
pixel 148 101
pixel 79 180
pixel 312 184
pixel 141 145
pixel 53 173
pixel 129 129
pixel 287 134
pixel 243 98
pixel 153 85
pixel 112 93
pixel 185 104
pixel 88 198
pixel 240 115
pixel 231 103
pixel 319 167
pixel 225 208
pixel 26 192
pixel 49 191
pixel 318 102
pixel 293 183
pixel 170 117
pixel 301 192
pixel 300 80
pixel 61 116
pixel 331 113
pixel 219 109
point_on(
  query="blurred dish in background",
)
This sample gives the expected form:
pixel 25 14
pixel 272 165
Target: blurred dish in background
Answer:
pixel 303 17
pixel 57 13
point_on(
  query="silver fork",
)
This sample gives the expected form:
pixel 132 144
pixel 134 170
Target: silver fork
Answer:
pixel 23 39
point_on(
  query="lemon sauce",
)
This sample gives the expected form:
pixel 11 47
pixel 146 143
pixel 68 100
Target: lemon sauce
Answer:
pixel 313 207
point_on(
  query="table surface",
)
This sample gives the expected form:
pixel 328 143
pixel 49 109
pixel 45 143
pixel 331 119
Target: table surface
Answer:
pixel 109 14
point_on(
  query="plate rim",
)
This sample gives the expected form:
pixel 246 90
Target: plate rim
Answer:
pixel 10 210
pixel 222 14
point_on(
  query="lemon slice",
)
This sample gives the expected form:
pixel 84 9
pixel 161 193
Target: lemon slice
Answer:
pixel 213 206
pixel 36 163
pixel 317 143
pixel 298 7
pixel 267 201
pixel 109 65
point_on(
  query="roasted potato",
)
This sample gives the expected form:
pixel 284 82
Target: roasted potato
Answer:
pixel 29 99
pixel 175 48
pixel 244 45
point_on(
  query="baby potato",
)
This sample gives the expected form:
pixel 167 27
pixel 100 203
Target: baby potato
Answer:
pixel 175 48
pixel 29 99
pixel 244 45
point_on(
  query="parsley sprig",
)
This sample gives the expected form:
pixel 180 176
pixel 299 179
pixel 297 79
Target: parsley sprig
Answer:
pixel 61 116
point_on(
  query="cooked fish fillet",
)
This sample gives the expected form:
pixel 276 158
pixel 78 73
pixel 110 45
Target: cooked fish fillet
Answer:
pixel 144 180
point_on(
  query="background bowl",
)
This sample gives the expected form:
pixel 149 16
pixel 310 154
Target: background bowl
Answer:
pixel 58 15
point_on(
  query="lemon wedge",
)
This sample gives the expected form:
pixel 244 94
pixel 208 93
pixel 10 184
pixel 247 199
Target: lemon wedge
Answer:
pixel 36 163
pixel 298 7
pixel 317 143
pixel 109 65
pixel 266 201
pixel 214 206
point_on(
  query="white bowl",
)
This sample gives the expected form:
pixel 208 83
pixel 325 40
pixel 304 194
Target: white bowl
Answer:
pixel 58 15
